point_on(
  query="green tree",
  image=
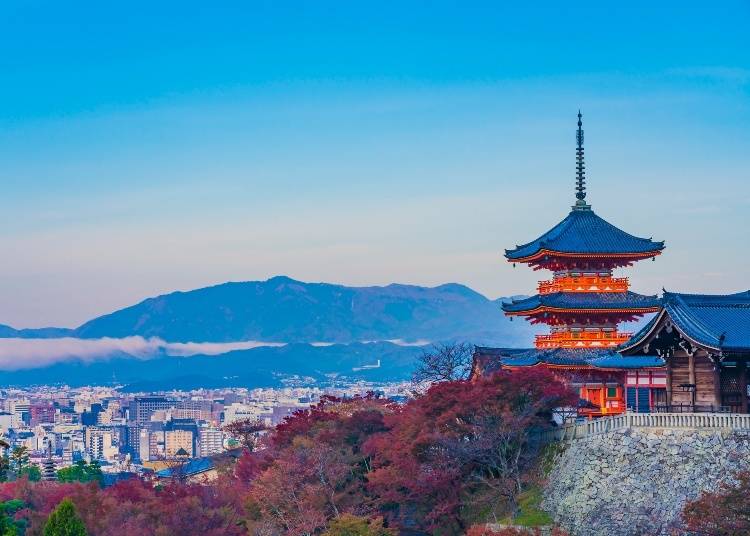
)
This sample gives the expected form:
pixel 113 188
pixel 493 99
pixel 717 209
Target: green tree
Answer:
pixel 81 472
pixel 8 525
pixel 64 521
pixel 32 472
pixel 19 459
pixel 4 468
pixel 349 525
pixel 94 472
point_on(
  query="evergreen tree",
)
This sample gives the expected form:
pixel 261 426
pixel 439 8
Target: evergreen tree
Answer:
pixel 94 471
pixel 64 521
pixel 19 459
pixel 32 472
pixel 8 525
pixel 4 468
pixel 81 472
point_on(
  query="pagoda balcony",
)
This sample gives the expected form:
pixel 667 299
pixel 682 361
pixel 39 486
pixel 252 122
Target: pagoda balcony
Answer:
pixel 584 284
pixel 582 339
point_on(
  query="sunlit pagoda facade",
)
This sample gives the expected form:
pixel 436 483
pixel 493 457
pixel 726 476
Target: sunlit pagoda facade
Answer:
pixel 693 355
pixel 583 303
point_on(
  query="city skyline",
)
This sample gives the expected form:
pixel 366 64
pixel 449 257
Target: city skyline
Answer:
pixel 413 144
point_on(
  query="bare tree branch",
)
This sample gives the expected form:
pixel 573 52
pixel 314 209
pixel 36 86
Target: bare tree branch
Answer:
pixel 444 362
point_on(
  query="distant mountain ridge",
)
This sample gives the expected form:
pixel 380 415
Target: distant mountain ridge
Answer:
pixel 259 367
pixel 282 309
pixel 360 326
pixel 7 332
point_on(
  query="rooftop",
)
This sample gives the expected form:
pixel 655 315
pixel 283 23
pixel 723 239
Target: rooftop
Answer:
pixel 492 358
pixel 583 232
pixel 718 322
pixel 596 301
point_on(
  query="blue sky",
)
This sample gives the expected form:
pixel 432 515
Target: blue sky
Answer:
pixel 155 146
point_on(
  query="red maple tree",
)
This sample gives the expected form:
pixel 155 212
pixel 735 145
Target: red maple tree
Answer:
pixel 460 442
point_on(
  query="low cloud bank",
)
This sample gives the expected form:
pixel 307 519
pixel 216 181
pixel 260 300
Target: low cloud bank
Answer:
pixel 18 354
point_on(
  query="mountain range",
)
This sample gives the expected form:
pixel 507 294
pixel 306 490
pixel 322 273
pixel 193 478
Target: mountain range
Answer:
pixel 281 310
pixel 285 310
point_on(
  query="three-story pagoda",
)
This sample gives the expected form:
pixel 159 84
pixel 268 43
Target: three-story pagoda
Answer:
pixel 583 303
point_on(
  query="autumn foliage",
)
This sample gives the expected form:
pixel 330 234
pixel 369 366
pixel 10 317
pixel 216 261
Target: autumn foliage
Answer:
pixel 484 530
pixel 316 468
pixel 133 507
pixel 462 446
pixel 454 456
pixel 725 512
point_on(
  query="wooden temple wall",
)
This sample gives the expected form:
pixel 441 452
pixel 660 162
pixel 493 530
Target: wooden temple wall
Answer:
pixel 698 371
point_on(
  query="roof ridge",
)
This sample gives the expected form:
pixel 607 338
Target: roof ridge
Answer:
pixel 683 315
pixel 585 232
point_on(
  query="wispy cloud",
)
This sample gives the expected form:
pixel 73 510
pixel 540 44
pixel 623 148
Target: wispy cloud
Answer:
pixel 18 354
pixel 719 73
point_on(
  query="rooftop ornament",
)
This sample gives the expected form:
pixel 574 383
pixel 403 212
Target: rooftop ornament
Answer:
pixel 580 170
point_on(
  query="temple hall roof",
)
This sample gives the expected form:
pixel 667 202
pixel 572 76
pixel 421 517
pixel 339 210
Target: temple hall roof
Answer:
pixel 718 322
pixel 600 358
pixel 604 301
pixel 583 232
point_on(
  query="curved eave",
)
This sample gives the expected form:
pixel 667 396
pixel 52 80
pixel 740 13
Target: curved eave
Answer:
pixel 652 328
pixel 680 324
pixel 587 366
pixel 588 255
pixel 645 333
pixel 579 366
pixel 547 309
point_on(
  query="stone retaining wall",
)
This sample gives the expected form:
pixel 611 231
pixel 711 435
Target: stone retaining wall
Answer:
pixel 636 481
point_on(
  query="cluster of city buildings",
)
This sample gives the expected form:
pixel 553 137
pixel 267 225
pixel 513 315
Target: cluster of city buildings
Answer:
pixel 142 433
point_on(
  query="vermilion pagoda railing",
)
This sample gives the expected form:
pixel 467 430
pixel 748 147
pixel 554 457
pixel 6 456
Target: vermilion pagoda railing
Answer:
pixel 581 339
pixel 584 284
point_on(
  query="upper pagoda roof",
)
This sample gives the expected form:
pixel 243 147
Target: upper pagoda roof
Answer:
pixel 583 232
pixel 715 322
pixel 582 301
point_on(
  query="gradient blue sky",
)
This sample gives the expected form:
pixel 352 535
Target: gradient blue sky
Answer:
pixel 152 146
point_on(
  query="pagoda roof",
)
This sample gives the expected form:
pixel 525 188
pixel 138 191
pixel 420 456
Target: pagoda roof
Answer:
pixel 716 322
pixel 583 232
pixel 578 301
pixel 597 358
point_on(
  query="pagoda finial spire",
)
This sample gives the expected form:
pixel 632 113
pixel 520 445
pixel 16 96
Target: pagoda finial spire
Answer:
pixel 580 170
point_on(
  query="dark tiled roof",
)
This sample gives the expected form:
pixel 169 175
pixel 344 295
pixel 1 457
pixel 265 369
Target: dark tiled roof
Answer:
pixel 192 467
pixel 721 322
pixel 582 231
pixel 619 361
pixel 641 333
pixel 598 358
pixel 582 300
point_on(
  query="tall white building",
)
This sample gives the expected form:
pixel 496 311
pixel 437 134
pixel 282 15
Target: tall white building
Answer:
pixel 99 444
pixel 210 441
pixel 236 412
pixel 144 444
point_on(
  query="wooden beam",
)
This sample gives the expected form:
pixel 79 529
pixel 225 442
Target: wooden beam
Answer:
pixel 691 379
pixel 717 381
pixel 669 381
pixel 743 385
